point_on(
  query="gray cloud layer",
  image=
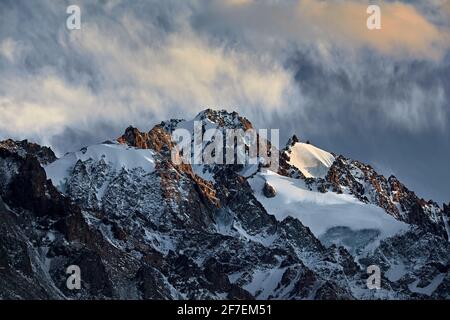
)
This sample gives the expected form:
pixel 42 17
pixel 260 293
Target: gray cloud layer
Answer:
pixel 309 67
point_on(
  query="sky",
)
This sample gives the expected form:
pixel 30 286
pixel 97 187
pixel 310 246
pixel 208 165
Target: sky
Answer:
pixel 308 67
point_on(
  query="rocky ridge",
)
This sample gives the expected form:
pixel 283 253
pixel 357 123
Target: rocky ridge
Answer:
pixel 184 232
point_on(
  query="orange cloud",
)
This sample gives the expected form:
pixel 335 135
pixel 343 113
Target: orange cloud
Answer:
pixel 238 2
pixel 446 7
pixel 404 31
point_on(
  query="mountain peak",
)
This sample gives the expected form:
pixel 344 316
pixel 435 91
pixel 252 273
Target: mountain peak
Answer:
pixel 310 160
pixel 134 138
pixel 176 225
pixel 292 140
pixel 45 155
pixel 224 118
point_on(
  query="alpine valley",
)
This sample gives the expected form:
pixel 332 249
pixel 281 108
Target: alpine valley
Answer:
pixel 142 227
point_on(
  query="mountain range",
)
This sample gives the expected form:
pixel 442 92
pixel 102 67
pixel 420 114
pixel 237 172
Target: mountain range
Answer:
pixel 140 226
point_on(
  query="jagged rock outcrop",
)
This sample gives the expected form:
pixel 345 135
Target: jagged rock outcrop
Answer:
pixel 133 137
pixel 44 155
pixel 366 184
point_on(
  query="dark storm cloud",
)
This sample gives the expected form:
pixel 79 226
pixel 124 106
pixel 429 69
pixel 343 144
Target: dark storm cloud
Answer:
pixel 307 67
pixel 376 92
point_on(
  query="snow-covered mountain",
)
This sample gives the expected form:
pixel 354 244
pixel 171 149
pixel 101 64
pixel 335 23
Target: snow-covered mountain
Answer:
pixel 140 226
pixel 310 160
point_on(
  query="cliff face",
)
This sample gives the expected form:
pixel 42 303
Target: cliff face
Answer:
pixel 142 227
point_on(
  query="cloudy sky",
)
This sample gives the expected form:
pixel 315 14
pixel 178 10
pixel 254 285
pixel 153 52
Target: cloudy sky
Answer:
pixel 309 67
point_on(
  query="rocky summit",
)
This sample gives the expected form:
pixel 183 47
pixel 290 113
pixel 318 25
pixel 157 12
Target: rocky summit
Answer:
pixel 139 226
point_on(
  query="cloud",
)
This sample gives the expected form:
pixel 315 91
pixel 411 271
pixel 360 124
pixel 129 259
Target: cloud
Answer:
pixel 238 2
pixel 370 92
pixel 133 69
pixel 131 63
pixel 11 50
pixel 393 77
pixel 43 106
pixel 186 70
pixel 405 31
pixel 445 5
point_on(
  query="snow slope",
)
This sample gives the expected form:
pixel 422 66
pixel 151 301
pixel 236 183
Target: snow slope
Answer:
pixel 310 160
pixel 323 211
pixel 118 156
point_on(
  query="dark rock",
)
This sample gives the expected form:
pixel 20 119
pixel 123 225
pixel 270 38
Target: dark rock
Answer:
pixel 237 293
pixel 45 155
pixel 269 191
pixel 151 283
pixel 330 291
pixel 93 274
pixel 214 272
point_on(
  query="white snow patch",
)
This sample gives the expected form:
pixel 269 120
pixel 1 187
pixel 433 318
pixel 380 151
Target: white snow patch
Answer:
pixel 118 156
pixel 310 160
pixel 321 211
pixel 264 282
pixel 249 170
pixel 396 271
